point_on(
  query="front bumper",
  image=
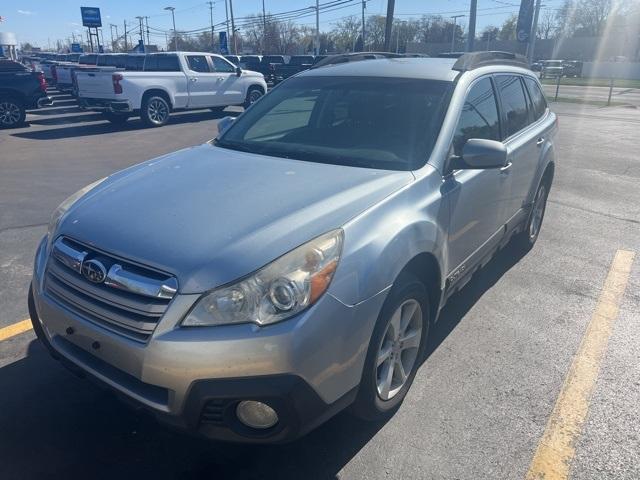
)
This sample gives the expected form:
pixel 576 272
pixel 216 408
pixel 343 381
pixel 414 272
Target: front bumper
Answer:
pixel 105 105
pixel 306 368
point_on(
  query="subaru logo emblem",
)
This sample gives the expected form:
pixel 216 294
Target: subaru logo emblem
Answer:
pixel 94 271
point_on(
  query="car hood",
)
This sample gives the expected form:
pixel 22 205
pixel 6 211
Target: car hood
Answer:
pixel 210 215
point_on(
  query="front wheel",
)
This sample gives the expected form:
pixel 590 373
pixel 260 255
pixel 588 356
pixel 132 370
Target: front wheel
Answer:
pixel 253 95
pixel 155 111
pixel 395 351
pixel 12 113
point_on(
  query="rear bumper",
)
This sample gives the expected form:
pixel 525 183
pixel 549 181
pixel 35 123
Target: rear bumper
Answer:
pixel 104 104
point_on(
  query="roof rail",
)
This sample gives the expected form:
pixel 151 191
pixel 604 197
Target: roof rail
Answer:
pixel 473 60
pixel 355 57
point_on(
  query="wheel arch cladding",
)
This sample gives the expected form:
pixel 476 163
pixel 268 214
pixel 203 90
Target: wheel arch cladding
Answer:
pixel 158 92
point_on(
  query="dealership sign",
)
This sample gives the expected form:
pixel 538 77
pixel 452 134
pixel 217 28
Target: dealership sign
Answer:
pixel 91 17
pixel 525 19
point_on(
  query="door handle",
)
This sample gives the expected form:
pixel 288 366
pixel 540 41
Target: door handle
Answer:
pixel 193 79
pixel 506 168
pixel 540 141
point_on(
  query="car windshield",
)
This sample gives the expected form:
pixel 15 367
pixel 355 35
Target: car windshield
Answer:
pixel 386 123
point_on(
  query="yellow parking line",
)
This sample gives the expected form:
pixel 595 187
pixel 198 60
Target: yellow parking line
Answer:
pixel 15 329
pixel 556 449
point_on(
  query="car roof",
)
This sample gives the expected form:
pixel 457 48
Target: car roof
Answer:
pixel 429 68
pixel 405 67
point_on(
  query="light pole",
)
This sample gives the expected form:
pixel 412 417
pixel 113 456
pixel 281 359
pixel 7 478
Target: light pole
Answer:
pixel 471 36
pixel 453 34
pixel 211 17
pixel 141 20
pixel 317 42
pixel 175 33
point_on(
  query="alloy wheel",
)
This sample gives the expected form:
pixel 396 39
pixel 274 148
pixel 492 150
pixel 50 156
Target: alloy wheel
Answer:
pixel 399 348
pixel 254 96
pixel 9 113
pixel 158 111
pixel 537 213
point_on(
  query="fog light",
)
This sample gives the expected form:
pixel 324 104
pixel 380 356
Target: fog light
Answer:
pixel 256 414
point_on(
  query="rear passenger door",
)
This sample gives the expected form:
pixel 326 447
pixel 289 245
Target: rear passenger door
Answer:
pixel 476 197
pixel 520 137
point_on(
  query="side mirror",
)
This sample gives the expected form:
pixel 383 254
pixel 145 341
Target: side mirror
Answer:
pixel 479 153
pixel 224 124
pixel 238 71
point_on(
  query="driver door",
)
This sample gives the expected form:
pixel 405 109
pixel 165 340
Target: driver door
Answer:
pixel 231 87
pixel 476 197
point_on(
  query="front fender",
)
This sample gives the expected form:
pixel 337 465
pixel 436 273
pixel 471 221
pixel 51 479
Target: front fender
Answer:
pixel 380 242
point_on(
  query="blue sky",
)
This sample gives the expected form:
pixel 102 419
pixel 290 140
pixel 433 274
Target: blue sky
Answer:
pixel 41 21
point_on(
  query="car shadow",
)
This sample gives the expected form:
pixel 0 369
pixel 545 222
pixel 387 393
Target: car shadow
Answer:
pixel 55 425
pixel 46 111
pixel 69 119
pixel 106 127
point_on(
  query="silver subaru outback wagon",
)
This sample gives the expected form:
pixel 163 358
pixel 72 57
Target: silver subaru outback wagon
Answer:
pixel 250 288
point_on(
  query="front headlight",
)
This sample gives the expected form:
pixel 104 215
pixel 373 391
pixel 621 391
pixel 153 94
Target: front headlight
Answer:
pixel 276 292
pixel 66 205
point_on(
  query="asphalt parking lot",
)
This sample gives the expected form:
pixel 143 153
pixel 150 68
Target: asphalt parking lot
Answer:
pixel 482 400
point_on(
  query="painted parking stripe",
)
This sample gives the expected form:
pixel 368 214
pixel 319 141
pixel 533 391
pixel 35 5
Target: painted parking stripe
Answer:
pixel 552 460
pixel 15 329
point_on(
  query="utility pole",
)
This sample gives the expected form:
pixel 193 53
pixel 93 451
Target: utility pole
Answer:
pixel 534 32
pixel 233 28
pixel 113 49
pixel 226 12
pixel 146 20
pixel 126 47
pixel 175 33
pixel 140 19
pixel 391 4
pixel 211 17
pixel 264 29
pixel 453 34
pixel 317 40
pixel 472 25
pixel 364 5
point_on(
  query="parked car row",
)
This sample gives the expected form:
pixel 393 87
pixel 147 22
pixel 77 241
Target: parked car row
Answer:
pixel 21 89
pixel 275 68
pixel 123 85
pixel 558 68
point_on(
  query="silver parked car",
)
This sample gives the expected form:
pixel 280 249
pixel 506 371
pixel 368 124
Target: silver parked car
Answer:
pixel 249 288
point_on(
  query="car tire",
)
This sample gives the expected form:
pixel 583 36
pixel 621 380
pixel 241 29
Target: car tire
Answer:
pixel 12 112
pixel 253 95
pixel 384 384
pixel 116 118
pixel 155 111
pixel 526 239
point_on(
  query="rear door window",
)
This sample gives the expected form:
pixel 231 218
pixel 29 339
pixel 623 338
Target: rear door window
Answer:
pixel 162 63
pixel 479 118
pixel 537 98
pixel 514 103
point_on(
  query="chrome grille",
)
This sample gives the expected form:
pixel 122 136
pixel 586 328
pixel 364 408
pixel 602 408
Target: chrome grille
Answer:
pixel 127 298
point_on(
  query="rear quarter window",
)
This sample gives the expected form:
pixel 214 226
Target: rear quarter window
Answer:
pixel 537 98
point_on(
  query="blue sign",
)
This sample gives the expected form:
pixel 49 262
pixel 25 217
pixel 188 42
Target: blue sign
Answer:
pixel 76 48
pixel 91 17
pixel 224 48
pixel 525 19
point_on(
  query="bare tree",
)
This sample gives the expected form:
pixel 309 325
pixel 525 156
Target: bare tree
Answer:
pixel 346 33
pixel 547 25
pixel 508 28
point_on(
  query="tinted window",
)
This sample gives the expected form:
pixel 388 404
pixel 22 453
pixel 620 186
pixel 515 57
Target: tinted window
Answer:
pixel 514 103
pixel 134 62
pixel 479 118
pixel 537 97
pixel 162 63
pixel 198 63
pixel 220 65
pixel 387 123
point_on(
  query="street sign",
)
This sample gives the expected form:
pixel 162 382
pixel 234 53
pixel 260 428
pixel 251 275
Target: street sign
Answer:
pixel 91 17
pixel 525 19
pixel 224 48
pixel 76 48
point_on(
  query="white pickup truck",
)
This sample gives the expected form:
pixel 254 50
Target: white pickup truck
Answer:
pixel 168 82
